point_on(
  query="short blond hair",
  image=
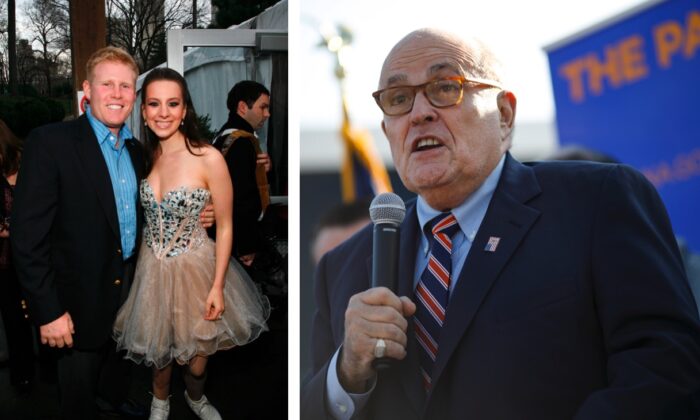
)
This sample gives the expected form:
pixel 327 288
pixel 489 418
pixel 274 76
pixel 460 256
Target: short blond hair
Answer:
pixel 110 54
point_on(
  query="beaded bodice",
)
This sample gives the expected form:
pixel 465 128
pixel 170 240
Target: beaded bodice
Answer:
pixel 172 226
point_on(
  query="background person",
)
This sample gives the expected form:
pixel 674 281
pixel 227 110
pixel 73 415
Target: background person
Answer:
pixel 18 328
pixel 337 225
pixel 248 103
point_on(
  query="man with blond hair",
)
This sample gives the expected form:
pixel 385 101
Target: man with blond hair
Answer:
pixel 76 225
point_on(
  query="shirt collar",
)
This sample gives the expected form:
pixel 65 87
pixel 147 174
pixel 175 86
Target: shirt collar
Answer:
pixel 103 133
pixel 238 122
pixel 471 212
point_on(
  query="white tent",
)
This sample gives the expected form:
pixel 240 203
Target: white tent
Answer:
pixel 211 71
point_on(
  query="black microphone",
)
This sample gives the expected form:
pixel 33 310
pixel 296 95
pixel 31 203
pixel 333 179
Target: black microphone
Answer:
pixel 387 211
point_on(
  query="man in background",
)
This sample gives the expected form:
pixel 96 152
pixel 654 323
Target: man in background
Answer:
pixel 337 225
pixel 248 103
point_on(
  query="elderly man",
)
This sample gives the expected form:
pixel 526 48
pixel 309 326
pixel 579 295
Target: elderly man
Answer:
pixel 526 291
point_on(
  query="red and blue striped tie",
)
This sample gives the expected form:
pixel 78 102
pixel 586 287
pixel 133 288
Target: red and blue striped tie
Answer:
pixel 432 292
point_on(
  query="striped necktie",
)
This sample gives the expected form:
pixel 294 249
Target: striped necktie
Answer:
pixel 433 291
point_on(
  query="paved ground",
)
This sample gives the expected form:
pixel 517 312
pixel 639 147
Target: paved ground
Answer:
pixel 249 382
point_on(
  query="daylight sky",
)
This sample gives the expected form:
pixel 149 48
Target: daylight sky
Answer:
pixel 518 30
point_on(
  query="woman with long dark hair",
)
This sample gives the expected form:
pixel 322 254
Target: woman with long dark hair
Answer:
pixel 18 329
pixel 187 300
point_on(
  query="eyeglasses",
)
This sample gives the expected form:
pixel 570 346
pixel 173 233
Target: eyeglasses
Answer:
pixel 441 93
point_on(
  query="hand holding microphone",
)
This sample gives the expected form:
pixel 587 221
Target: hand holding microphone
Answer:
pixel 387 211
pixel 376 319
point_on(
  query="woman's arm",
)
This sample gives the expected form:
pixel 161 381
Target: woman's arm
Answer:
pixel 219 183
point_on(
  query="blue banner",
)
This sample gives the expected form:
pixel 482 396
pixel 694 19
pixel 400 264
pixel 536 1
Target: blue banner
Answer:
pixel 630 88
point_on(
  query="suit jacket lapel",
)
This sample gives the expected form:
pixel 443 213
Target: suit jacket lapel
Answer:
pixel 507 218
pixel 137 158
pixel 136 154
pixel 96 171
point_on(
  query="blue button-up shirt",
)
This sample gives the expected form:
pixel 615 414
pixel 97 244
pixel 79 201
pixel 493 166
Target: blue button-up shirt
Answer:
pixel 123 177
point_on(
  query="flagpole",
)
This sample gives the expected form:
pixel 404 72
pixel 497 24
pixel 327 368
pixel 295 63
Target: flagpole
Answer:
pixel 358 145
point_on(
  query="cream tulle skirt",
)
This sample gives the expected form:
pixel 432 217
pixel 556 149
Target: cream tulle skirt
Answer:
pixel 163 317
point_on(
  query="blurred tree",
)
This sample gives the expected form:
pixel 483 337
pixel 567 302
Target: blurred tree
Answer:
pixel 200 16
pixel 12 46
pixel 229 12
pixel 204 127
pixel 140 26
pixel 47 21
pixel 3 45
pixel 28 68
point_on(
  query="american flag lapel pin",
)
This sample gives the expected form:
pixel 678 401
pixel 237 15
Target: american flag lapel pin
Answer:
pixel 492 244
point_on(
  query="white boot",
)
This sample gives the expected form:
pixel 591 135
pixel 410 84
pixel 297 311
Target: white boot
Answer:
pixel 159 409
pixel 203 408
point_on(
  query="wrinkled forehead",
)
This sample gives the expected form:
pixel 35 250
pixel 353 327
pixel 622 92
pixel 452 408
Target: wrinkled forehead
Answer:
pixel 416 59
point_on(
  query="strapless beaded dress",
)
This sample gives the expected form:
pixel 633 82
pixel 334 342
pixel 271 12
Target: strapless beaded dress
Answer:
pixel 163 317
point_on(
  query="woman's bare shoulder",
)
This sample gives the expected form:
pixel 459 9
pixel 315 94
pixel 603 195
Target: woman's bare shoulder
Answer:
pixel 211 158
pixel 210 153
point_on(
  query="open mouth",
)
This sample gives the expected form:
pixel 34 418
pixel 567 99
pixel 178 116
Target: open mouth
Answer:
pixel 115 107
pixel 427 144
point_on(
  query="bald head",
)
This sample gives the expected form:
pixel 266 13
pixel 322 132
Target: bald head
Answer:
pixel 445 137
pixel 469 56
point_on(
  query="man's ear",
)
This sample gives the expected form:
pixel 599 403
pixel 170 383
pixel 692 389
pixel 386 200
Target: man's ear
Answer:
pixel 241 108
pixel 506 107
pixel 86 89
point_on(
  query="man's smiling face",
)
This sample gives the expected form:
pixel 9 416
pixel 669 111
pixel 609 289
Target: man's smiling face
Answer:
pixel 112 93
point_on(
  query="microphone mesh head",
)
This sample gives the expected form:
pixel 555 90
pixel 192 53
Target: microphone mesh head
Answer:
pixel 387 208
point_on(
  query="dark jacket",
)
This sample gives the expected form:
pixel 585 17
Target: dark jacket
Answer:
pixel 582 312
pixel 242 160
pixel 65 231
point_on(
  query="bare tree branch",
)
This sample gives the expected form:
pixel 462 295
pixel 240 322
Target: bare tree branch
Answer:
pixel 140 26
pixel 47 22
pixel 4 64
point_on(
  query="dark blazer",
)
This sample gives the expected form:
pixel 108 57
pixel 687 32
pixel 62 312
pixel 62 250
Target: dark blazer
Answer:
pixel 583 311
pixel 65 230
pixel 242 160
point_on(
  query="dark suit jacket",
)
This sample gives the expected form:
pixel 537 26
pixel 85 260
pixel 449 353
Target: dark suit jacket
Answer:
pixel 241 160
pixel 65 231
pixel 583 311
